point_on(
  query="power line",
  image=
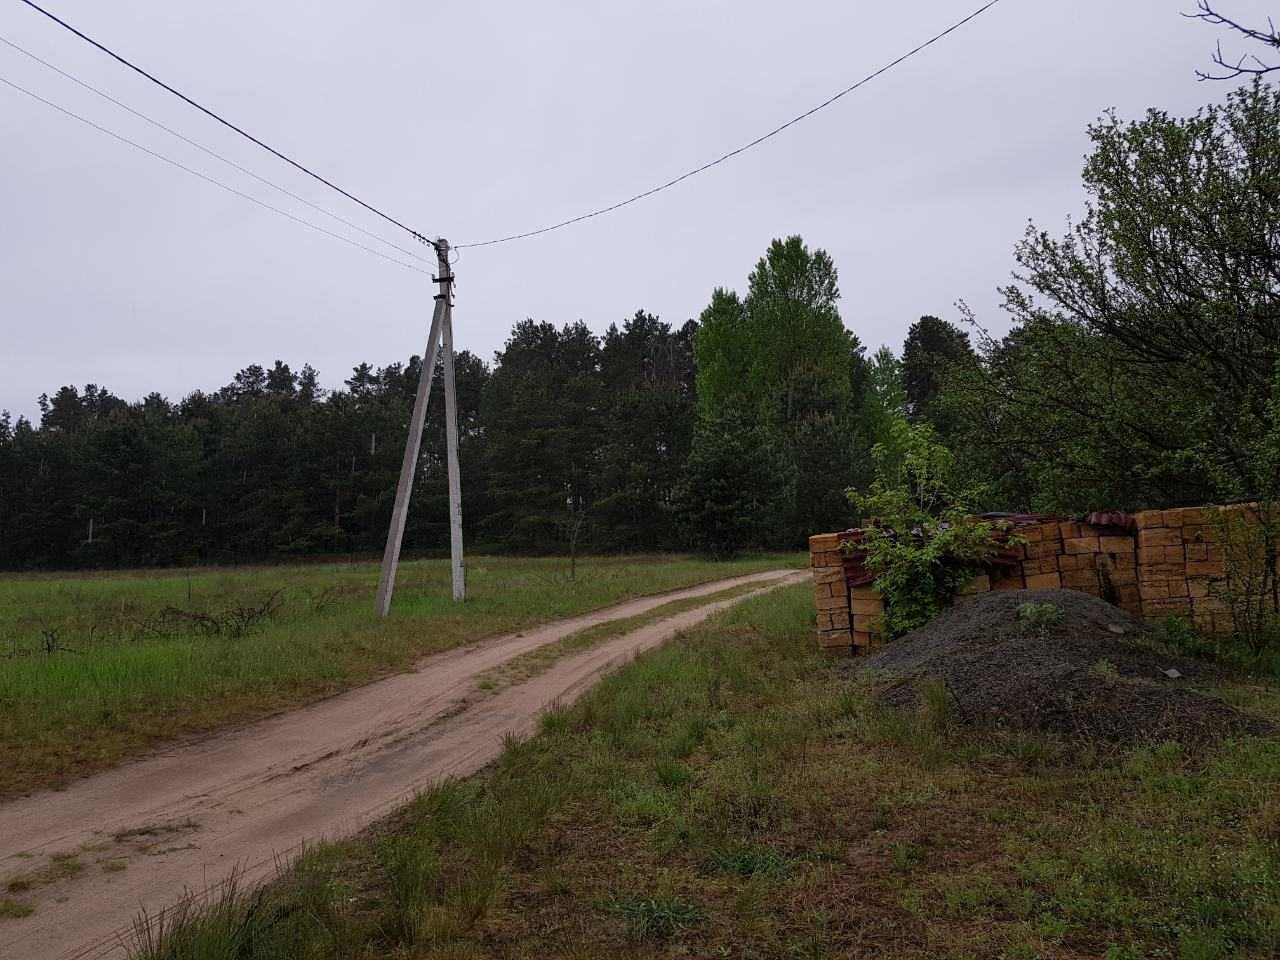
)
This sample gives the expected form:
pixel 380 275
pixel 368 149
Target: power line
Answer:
pixel 208 179
pixel 742 149
pixel 213 153
pixel 226 123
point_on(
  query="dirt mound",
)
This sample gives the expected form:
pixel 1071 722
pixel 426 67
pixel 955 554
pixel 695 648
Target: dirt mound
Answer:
pixel 1093 675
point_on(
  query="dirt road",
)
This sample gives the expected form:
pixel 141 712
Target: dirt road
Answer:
pixel 137 837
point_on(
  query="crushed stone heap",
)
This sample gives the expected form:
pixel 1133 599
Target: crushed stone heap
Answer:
pixel 1094 675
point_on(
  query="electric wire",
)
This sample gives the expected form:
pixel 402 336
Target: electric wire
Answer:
pixel 208 179
pixel 417 234
pixel 118 936
pixel 213 153
pixel 739 150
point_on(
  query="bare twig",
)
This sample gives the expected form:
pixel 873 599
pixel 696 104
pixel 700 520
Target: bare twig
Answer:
pixel 1248 65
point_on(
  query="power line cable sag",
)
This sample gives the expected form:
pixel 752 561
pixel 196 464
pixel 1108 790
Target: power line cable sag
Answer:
pixel 742 149
pixel 213 153
pixel 208 179
pixel 417 234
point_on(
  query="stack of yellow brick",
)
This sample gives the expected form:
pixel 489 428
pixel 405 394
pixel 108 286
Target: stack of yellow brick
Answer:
pixel 1070 556
pixel 868 616
pixel 1183 567
pixel 1076 556
pixel 1175 566
pixel 1117 564
pixel 847 617
pixel 835 618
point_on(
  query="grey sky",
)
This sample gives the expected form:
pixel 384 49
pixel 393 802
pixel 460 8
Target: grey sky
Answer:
pixel 477 119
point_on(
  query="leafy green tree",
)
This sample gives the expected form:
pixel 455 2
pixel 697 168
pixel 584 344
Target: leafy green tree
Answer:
pixel 784 349
pixel 880 403
pixel 932 347
pixel 647 370
pixel 1141 367
pixel 735 489
pixel 723 349
pixel 924 542
pixel 543 427
pixel 782 356
pixel 281 380
pixel 799 345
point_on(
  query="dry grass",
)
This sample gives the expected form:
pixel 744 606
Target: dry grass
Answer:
pixel 731 795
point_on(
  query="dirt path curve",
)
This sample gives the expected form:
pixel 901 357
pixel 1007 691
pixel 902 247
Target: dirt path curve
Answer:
pixel 185 819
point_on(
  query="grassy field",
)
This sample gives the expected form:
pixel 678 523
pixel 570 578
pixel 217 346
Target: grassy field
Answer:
pixel 733 794
pixel 99 666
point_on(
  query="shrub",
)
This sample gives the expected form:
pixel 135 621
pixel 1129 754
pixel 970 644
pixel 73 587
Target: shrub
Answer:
pixel 921 539
pixel 1040 616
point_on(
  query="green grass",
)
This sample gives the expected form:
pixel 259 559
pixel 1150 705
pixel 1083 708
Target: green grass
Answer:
pixel 733 794
pixel 99 666
pixel 534 662
pixel 13 909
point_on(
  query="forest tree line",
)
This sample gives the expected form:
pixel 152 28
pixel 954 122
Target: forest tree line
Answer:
pixel 1140 370
pixel 650 437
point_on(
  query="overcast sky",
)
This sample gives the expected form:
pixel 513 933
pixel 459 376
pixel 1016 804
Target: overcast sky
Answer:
pixel 470 120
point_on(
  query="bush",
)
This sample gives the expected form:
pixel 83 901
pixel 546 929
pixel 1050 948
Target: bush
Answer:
pixel 1040 616
pixel 922 541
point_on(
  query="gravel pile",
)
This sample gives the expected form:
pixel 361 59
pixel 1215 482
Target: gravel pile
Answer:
pixel 1092 676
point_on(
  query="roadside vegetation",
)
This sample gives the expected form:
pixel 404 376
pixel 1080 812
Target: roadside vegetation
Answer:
pixel 536 661
pixel 96 667
pixel 736 794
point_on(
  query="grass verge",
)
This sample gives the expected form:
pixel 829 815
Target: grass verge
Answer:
pixel 94 668
pixel 731 794
pixel 529 665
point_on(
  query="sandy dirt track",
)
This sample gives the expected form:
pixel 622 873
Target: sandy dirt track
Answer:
pixel 184 819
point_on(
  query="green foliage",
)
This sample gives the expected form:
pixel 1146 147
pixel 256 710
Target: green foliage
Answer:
pixel 746 860
pixel 724 354
pixel 781 359
pixel 783 350
pixel 1040 616
pixel 648 373
pixel 879 402
pixel 1177 633
pixel 569 434
pixel 736 488
pixel 658 918
pixel 543 412
pixel 922 541
pixel 14 909
pixel 932 349
pixel 1141 369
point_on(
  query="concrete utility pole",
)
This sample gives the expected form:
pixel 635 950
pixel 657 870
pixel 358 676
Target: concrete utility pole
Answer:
pixel 451 444
pixel 441 323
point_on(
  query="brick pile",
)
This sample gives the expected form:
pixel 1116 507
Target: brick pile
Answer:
pixel 1173 566
pixel 1069 555
pixel 1182 567
pixel 831 595
pixel 848 617
pixel 868 617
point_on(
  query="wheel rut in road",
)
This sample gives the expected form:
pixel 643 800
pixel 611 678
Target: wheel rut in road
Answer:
pixel 180 822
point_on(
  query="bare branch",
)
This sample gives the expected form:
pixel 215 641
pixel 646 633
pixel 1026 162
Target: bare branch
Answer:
pixel 1247 65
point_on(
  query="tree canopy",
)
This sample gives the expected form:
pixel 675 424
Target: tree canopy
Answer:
pixel 1141 368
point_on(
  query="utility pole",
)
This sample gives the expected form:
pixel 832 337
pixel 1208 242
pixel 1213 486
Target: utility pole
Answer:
pixel 451 445
pixel 440 324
